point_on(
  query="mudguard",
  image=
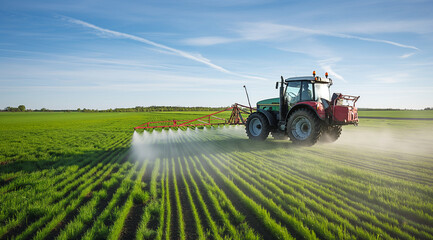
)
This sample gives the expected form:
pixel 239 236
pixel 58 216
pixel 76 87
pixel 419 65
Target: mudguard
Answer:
pixel 318 110
pixel 271 119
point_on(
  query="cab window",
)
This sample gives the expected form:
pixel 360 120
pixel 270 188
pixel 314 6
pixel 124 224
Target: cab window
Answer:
pixel 299 92
pixel 322 91
pixel 306 91
pixel 292 92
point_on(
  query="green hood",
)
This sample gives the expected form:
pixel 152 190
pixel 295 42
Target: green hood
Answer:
pixel 267 104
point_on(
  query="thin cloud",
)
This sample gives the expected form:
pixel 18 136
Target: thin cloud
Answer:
pixel 99 77
pixel 419 26
pixel 406 55
pixel 373 40
pixel 111 33
pixel 124 87
pixel 252 31
pixel 326 66
pixel 265 31
pixel 208 41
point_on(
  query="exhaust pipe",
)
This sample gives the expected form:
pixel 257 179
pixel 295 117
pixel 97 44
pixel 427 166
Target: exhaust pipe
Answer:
pixel 282 104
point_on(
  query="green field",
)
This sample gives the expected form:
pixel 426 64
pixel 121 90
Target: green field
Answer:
pixel 89 176
pixel 398 114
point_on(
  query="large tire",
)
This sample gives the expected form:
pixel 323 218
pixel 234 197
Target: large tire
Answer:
pixel 257 127
pixel 304 127
pixel 330 134
pixel 279 136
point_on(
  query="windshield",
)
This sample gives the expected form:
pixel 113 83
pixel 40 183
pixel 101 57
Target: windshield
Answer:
pixel 322 91
pixel 299 91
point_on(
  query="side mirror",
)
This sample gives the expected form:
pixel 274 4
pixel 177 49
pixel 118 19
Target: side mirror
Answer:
pixel 276 86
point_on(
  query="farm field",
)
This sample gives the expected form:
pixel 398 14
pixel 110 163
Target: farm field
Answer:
pixel 398 114
pixel 90 176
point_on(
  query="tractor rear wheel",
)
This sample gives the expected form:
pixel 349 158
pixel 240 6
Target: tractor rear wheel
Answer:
pixel 331 134
pixel 257 127
pixel 304 127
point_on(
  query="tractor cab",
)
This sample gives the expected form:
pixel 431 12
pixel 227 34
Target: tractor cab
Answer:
pixel 301 89
pixel 310 90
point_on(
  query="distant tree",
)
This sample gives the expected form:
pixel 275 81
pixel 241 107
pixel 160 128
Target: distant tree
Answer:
pixel 44 109
pixel 22 108
pixel 12 109
pixel 78 109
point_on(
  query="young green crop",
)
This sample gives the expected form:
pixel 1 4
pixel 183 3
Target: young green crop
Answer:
pixel 243 231
pixel 136 195
pixel 258 210
pixel 99 228
pixel 178 204
pixel 142 231
pixel 72 176
pixel 198 225
pixel 167 203
pixel 162 209
pixel 211 222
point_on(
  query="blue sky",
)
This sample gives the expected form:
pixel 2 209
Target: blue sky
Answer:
pixel 108 54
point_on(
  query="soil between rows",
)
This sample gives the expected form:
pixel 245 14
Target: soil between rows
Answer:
pixel 132 221
pixel 174 219
pixel 133 218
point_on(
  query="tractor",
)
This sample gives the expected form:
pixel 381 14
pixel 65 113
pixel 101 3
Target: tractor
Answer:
pixel 305 112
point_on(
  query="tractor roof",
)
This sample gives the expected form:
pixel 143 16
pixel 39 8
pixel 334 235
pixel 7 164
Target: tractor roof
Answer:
pixel 309 78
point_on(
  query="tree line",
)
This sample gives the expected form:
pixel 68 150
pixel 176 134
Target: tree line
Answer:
pixel 22 108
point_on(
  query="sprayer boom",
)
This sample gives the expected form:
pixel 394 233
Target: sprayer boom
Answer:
pixel 207 120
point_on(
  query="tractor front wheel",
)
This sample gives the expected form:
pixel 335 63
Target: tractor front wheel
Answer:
pixel 257 127
pixel 304 127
